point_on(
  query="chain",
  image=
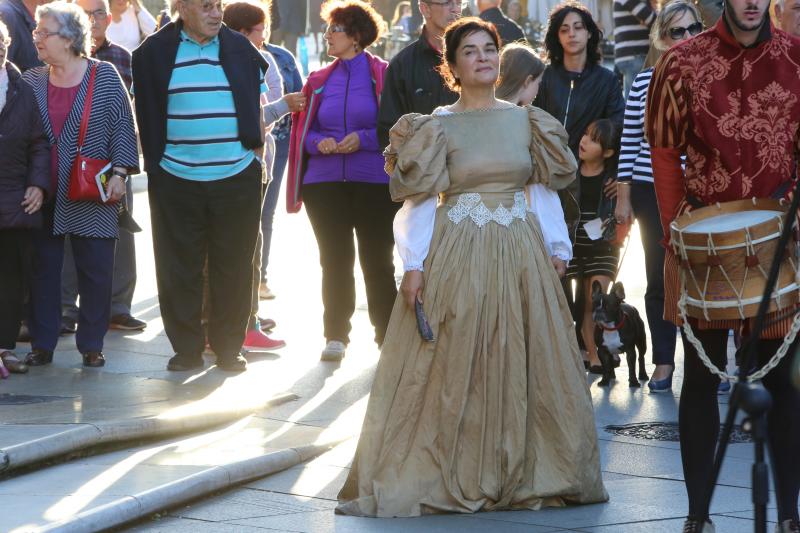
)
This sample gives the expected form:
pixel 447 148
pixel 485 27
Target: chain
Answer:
pixel 701 353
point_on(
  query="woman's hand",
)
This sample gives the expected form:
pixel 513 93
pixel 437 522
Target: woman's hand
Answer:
pixel 327 146
pixel 295 101
pixel 350 143
pixel 411 287
pixel 115 189
pixel 623 213
pixel 559 265
pixel 32 201
pixel 610 188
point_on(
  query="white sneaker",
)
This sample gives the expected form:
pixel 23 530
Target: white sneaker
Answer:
pixel 696 526
pixel 787 526
pixel 334 351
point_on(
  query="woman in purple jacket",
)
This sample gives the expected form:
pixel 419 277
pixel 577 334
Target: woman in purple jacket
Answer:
pixel 343 183
pixel 24 180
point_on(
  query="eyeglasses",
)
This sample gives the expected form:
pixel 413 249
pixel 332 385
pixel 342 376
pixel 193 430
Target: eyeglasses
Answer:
pixel 452 4
pixel 678 31
pixel 40 35
pixel 335 28
pixel 96 14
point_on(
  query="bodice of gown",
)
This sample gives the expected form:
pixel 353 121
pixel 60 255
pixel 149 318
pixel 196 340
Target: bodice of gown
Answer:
pixel 487 151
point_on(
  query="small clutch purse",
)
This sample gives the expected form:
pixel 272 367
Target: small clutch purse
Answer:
pixel 424 328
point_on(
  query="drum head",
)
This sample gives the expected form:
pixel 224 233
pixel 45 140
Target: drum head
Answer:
pixel 731 221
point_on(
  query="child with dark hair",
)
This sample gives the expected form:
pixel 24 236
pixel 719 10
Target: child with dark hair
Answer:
pixel 594 258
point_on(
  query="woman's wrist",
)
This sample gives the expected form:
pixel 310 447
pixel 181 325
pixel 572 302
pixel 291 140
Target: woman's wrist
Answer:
pixel 121 172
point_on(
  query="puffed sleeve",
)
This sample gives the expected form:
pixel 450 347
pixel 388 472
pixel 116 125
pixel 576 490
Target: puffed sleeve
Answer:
pixel 554 164
pixel 416 158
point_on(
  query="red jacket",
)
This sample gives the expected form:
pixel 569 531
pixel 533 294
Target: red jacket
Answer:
pixel 302 121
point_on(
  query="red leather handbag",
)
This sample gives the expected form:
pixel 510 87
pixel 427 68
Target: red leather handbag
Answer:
pixel 82 184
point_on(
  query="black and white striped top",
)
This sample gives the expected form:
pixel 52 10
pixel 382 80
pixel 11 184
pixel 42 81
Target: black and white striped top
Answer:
pixel 634 153
pixel 632 21
pixel 111 135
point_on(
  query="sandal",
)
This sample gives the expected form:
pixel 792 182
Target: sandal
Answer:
pixel 12 363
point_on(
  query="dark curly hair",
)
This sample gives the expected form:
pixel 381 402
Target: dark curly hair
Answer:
pixel 360 20
pixel 552 46
pixel 453 35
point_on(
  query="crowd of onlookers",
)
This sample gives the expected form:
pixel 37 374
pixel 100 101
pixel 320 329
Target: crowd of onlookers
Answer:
pixel 223 113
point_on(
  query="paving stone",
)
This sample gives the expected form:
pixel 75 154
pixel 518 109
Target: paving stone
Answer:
pixel 327 521
pixel 723 524
pixel 631 500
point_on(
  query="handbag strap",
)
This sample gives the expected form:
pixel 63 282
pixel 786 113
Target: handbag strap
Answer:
pixel 87 107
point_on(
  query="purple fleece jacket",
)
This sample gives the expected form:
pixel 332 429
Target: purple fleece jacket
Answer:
pixel 348 105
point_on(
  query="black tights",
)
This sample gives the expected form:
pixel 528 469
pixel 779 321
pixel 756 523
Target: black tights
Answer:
pixel 699 421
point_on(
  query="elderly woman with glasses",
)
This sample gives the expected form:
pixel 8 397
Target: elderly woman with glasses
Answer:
pixel 335 161
pixel 636 196
pixel 69 87
pixel 24 180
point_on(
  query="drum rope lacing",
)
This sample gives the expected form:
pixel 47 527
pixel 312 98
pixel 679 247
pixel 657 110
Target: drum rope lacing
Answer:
pixel 701 353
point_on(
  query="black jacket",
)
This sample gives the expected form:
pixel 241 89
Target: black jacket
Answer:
pixel 24 153
pixel 411 85
pixel 508 29
pixel 152 66
pixel 577 100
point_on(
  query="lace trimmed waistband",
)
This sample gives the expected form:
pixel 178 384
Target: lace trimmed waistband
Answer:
pixel 471 205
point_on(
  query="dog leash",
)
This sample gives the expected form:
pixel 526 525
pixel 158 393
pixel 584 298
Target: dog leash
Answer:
pixel 622 257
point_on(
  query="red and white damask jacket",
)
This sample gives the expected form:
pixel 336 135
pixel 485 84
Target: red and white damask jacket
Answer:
pixel 734 111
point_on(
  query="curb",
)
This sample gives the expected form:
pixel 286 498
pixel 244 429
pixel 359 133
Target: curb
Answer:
pixel 130 508
pixel 87 435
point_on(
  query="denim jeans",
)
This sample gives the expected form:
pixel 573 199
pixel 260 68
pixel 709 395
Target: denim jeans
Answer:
pixel 663 333
pixel 271 201
pixel 630 67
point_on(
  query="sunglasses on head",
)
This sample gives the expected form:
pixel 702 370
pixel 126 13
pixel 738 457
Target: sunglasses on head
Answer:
pixel 678 31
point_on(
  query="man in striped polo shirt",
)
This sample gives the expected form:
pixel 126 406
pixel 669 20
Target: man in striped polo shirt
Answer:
pixel 198 87
pixel 632 22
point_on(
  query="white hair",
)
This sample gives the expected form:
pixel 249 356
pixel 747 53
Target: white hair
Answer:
pixel 73 25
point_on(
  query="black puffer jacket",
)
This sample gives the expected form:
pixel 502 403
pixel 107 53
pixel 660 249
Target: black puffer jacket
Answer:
pixel 24 153
pixel 577 100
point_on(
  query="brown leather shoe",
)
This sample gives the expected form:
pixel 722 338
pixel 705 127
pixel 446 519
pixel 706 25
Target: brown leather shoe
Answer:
pixel 94 359
pixel 39 357
pixel 12 363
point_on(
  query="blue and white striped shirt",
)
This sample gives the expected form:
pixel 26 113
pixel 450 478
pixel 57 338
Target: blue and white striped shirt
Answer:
pixel 634 154
pixel 202 128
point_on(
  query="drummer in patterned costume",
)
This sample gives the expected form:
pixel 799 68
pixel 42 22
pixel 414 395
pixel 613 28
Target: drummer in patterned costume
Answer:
pixel 729 100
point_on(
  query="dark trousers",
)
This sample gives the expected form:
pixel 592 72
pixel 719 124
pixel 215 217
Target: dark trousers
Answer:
pixel 124 278
pixel 14 266
pixel 699 421
pixel 336 210
pixel 663 334
pixel 94 261
pixel 194 219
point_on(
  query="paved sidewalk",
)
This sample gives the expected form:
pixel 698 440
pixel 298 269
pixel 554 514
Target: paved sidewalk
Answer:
pixel 643 476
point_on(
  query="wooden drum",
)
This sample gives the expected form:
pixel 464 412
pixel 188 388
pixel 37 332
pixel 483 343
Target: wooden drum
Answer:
pixel 725 253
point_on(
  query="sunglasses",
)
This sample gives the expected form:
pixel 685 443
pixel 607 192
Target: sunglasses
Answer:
pixel 678 32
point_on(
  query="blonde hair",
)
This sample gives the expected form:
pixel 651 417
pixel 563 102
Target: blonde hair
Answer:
pixel 517 62
pixel 658 32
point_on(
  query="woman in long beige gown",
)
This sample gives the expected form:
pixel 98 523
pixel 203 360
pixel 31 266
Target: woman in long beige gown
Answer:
pixel 494 413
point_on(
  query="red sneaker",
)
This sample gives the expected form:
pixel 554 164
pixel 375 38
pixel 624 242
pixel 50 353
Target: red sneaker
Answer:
pixel 256 341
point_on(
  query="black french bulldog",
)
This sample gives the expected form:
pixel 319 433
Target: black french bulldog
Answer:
pixel 618 328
